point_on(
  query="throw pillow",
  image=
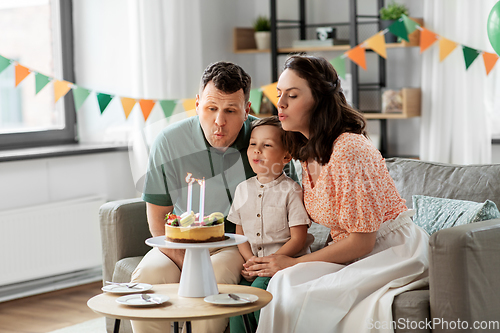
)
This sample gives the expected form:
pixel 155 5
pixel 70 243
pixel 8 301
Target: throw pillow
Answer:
pixel 434 214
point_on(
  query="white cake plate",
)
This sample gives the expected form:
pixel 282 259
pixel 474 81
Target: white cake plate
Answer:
pixel 197 276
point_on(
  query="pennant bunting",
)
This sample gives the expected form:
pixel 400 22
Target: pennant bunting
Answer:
pixel 103 100
pixel 398 28
pixel 470 55
pixel 127 104
pixel 446 46
pixel 427 38
pixel 270 92
pixel 410 25
pixel 79 95
pixel 40 82
pixel 490 60
pixel 21 73
pixel 401 28
pixel 61 88
pixel 256 100
pixel 339 65
pixel 377 44
pixel 189 106
pixel 4 63
pixel 146 107
pixel 358 55
pixel 168 107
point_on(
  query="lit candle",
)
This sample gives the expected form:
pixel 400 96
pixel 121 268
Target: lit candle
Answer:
pixel 202 199
pixel 190 181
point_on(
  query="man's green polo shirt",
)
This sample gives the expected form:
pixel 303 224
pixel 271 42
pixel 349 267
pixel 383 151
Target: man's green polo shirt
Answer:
pixel 182 148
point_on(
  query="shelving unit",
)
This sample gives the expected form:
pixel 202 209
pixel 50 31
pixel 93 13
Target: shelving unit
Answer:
pixel 244 43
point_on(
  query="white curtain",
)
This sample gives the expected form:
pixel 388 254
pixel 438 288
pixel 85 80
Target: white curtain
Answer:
pixel 458 105
pixel 166 63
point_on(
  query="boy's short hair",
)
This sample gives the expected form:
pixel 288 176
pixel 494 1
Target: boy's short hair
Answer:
pixel 271 121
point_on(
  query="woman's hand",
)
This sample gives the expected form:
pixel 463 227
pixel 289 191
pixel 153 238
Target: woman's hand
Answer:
pixel 268 266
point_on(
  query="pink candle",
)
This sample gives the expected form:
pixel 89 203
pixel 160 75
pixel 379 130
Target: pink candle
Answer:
pixel 190 181
pixel 202 199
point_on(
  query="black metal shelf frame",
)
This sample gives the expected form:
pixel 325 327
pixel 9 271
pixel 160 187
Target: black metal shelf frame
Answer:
pixel 353 41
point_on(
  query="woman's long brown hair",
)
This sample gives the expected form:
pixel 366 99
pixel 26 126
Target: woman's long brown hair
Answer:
pixel 331 115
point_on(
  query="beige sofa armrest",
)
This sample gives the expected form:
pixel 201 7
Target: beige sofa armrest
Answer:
pixel 124 229
pixel 463 274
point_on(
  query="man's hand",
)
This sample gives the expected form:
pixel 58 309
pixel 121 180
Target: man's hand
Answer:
pixel 176 255
pixel 156 220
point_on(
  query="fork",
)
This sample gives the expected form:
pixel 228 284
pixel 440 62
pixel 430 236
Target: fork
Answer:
pixel 238 298
pixel 124 284
pixel 148 299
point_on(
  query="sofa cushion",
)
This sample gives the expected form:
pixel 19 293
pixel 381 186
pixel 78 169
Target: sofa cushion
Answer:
pixel 411 309
pixel 434 214
pixel 464 182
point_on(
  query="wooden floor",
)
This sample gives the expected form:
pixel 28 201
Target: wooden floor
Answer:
pixel 47 312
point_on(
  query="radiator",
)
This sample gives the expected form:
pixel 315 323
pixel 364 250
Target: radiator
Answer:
pixel 50 240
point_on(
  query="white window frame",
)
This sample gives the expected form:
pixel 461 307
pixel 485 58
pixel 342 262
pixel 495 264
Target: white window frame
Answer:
pixel 64 59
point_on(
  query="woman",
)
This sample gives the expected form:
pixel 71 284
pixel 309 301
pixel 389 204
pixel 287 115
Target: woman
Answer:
pixel 376 251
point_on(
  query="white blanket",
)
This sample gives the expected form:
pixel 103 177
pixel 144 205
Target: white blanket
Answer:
pixel 325 297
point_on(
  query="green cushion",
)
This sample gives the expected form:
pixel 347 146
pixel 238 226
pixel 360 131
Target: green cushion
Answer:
pixel 434 214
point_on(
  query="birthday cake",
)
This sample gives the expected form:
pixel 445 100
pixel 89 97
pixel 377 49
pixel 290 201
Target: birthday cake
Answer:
pixel 188 229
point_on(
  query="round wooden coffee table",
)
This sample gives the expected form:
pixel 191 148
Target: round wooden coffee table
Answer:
pixel 179 308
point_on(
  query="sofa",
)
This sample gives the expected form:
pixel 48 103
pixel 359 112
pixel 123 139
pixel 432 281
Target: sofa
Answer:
pixel 464 260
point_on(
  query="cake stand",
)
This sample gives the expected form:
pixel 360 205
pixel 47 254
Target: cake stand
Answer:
pixel 197 275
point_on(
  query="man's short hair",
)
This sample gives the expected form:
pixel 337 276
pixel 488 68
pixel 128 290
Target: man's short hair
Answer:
pixel 270 121
pixel 227 77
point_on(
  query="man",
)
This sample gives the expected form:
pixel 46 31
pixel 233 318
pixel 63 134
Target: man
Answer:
pixel 212 145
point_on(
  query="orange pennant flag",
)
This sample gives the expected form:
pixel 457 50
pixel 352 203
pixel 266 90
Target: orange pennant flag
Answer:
pixel 377 44
pixel 427 38
pixel 61 88
pixel 490 60
pixel 446 46
pixel 21 73
pixel 271 93
pixel 189 106
pixel 146 107
pixel 358 55
pixel 128 104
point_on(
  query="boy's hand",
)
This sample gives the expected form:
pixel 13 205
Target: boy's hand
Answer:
pixel 250 262
pixel 269 265
pixel 247 276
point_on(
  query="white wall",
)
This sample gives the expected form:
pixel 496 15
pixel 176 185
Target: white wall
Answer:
pixel 45 180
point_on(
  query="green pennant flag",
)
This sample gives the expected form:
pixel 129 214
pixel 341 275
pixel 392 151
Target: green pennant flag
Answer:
pixel 80 95
pixel 470 55
pixel 103 100
pixel 339 65
pixel 4 63
pixel 410 25
pixel 256 100
pixel 168 107
pixel 398 28
pixel 40 82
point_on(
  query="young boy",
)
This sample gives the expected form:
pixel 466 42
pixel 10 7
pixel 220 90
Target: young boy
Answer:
pixel 268 208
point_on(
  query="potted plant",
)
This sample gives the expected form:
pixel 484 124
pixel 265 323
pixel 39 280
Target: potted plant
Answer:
pixel 262 27
pixel 388 15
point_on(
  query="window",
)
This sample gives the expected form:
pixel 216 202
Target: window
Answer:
pixel 38 35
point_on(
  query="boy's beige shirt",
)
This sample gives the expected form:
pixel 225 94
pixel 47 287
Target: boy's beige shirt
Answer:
pixel 267 211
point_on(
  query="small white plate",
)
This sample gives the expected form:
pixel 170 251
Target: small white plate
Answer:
pixel 136 300
pixel 117 289
pixel 224 299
